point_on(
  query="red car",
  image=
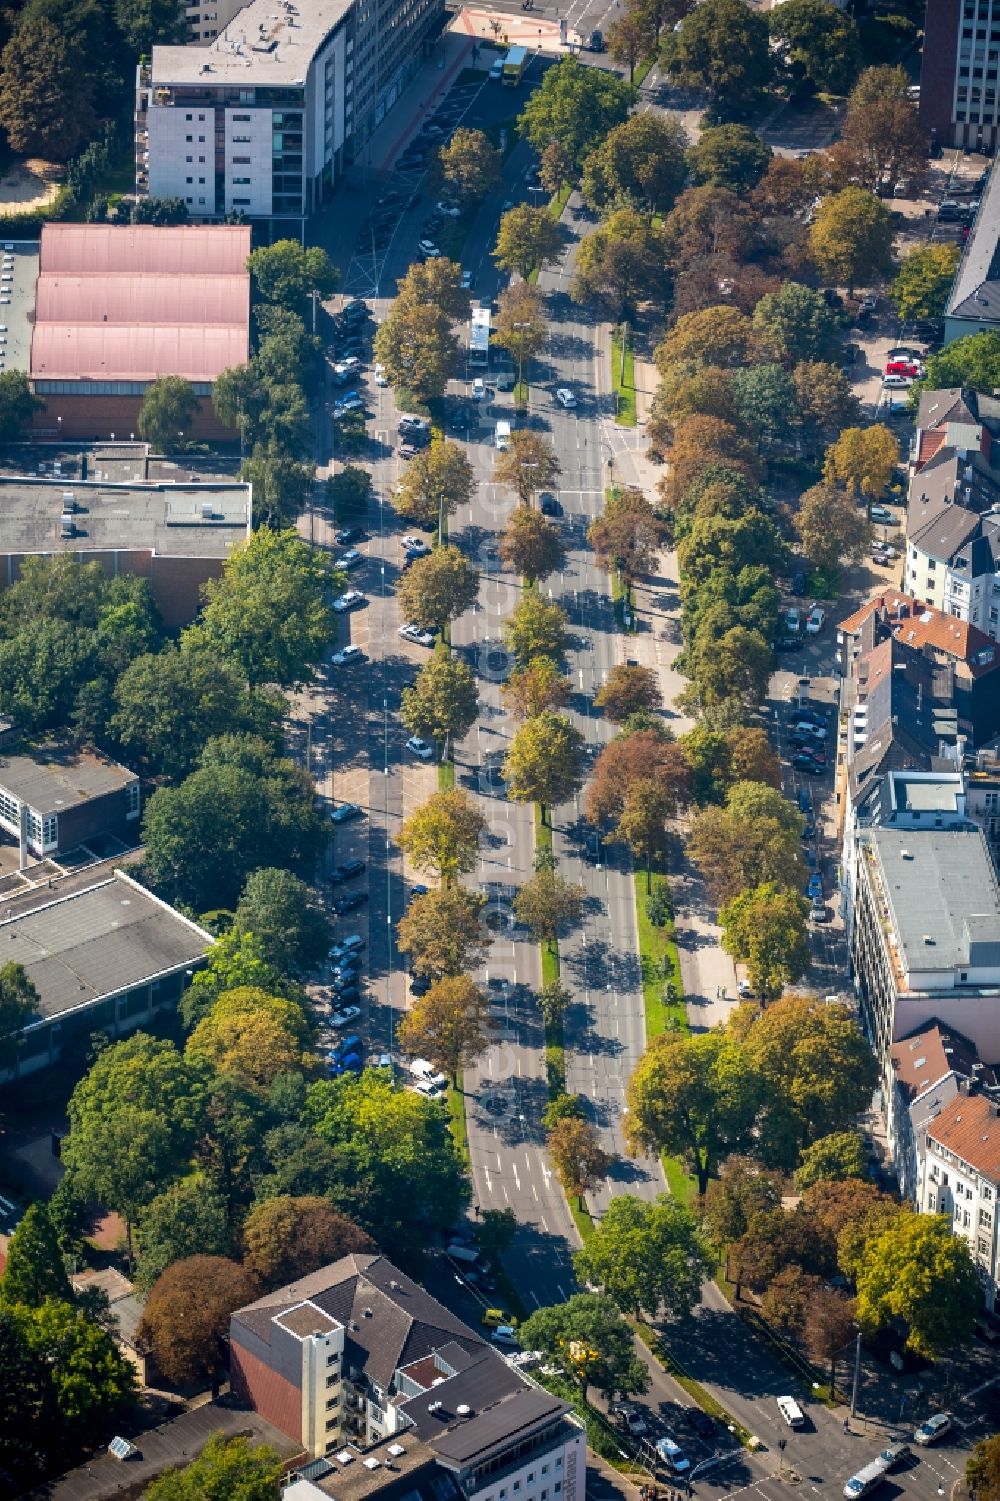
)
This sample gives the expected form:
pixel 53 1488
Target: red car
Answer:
pixel 905 367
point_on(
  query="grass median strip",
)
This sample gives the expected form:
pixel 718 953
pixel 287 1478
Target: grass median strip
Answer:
pixel 456 1119
pixel 661 971
pixel 623 380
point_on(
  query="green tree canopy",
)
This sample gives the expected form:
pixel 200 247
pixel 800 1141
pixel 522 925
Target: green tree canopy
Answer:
pixel 34 1270
pixel 417 347
pixel 619 265
pixel 753 839
pixel 722 47
pixel 536 629
pixel 281 487
pixel 288 273
pixel 269 611
pixel 443 702
pixel 919 1271
pixel 589 1338
pixel 167 409
pixel 794 323
pixel 982 1469
pixel 527 239
pixel 545 761
pixel 235 959
pixel 470 165
pixel 548 904
pixel 46 99
pixel 639 163
pixel 923 281
pixel 696 1097
pixel 820 43
pixel 729 156
pixel 226 1467
pixel 831 1159
pixel 253 1035
pixel 189 1218
pixel 435 484
pixel 279 909
pixel 19 1001
pixel 133 1121
pixel 648 1257
pixel 766 927
pixel 17 402
pixel 400 1177
pixel 443 931
pixel 742 1190
pixel 576 106
pixel 973 361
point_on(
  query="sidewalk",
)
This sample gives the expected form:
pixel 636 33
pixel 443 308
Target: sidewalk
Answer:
pixel 429 88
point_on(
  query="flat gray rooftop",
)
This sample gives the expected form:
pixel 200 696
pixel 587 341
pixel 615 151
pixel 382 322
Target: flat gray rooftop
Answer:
pixel 927 794
pixel 17 303
pixel 53 779
pixel 98 941
pixel 268 42
pixel 165 519
pixel 941 885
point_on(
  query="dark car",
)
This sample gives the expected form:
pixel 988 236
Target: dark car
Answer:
pixel 799 582
pixel 347 871
pixel 805 763
pixel 349 903
pixel 348 995
pixel 349 534
pixel 550 506
pixel 788 643
pixel 408 450
pixel 419 985
pixel 699 1422
pixel 346 811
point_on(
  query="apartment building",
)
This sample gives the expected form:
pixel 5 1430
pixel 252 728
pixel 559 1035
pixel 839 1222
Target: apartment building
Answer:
pixel 924 937
pixel 961 1178
pixel 263 119
pixel 377 1380
pixel 929 1068
pixel 958 75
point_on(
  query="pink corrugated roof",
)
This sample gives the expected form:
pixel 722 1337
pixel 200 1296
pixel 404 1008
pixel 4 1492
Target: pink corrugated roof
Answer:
pixel 124 351
pixel 187 249
pixel 63 298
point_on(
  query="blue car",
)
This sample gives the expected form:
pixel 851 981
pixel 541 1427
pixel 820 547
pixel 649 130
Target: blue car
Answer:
pixel 351 1064
pixel 805 801
pixel 815 887
pixel 347 1045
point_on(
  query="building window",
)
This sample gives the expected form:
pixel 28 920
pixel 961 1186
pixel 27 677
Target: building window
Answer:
pixel 132 800
pixel 243 119
pixel 987 1191
pixel 986 1219
pixel 984 1247
pixel 50 830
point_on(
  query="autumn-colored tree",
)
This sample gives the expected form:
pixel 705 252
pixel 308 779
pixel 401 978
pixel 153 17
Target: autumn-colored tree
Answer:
pixel 520 325
pixel 577 1156
pixel 850 238
pixel 706 224
pixel 742 1189
pixel 779 1239
pixel 528 239
pixel 619 265
pixel 863 459
pixel 470 164
pixel 631 760
pixel 187 1316
pixel 531 545
pixel 702 444
pixel 435 483
pixel 417 347
pixel 628 535
pixel 883 140
pixel 626 689
pixel 285 1238
pixel 555 167
pixel 785 1299
pixel 832 528
pixel 443 834
pixel 548 904
pixel 532 689
pixel 751 756
pixel 527 465
pixel 721 336
pixel 443 931
pixel 843 1203
pixel 449 1025
pixel 982 1469
pixel 253 1036
pixel 438 588
pixel 435 283
pixel 753 839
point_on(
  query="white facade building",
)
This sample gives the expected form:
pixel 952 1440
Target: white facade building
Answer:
pixel 262 119
pixel 961 1178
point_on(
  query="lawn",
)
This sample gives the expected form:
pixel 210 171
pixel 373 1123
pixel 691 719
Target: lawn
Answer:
pixel 456 1120
pixel 660 963
pixel 521 395
pixel 558 201
pixel 642 71
pixel 623 380
pixel 446 776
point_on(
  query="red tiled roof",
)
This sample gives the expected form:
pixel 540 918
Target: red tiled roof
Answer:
pixel 930 442
pixel 969 1126
pixel 918 624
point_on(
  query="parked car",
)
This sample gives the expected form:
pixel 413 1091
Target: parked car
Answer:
pixel 818 911
pixel 565 397
pixel 415 634
pixel 787 643
pixel 883 516
pixel 419 985
pixel 803 761
pixel 415 544
pixel 347 871
pixel 419 748
pixel 814 620
pixel 341 1018
pixel 450 210
pixel 896 382
pixel 428 250
pixel 350 903
pixel 479 389
pixel 381 379
pixel 345 812
pixel 799 581
pixel 346 656
pixel 350 559
pixel 352 600
pixel 815 887
pixel 408 451
pixel 672 1456
pixel 550 506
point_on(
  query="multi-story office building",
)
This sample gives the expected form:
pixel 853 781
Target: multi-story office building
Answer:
pixel 958 76
pixel 263 119
pixel 925 937
pixel 961 1178
pixel 359 1363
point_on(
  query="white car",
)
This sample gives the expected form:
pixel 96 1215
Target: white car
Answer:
pixel 415 634
pixel 346 656
pixel 451 210
pixel 565 398
pixel 381 379
pixel 352 404
pixel 419 748
pixel 341 1018
pixel 415 544
pixel 350 559
pixel 428 250
pixel 348 601
pixel 478 388
pixel 814 620
pixel 896 382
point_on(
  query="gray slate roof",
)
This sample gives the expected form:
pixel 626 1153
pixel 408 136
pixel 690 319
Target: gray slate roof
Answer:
pixel 941 885
pixel 54 778
pixel 975 292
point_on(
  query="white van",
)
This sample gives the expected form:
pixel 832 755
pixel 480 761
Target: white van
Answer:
pixel 427 1074
pixel 791 1412
pixel 866 1479
pixel 503 436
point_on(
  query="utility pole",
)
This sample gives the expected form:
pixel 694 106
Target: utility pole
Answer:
pixel 857 1375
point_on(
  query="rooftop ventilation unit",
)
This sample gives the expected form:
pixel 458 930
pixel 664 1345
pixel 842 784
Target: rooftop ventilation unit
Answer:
pixel 396 1450
pixel 463 1410
pixel 371 1464
pixel 68 501
pixel 369 1314
pixel 67 526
